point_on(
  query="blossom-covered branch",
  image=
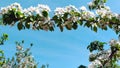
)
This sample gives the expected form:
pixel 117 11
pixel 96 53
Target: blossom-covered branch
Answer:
pixel 69 17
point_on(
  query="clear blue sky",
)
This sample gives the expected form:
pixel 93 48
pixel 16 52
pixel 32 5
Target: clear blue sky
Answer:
pixel 58 49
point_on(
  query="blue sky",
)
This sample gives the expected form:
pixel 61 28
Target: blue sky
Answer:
pixel 58 49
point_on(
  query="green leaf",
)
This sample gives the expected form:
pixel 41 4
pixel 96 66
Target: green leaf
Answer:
pixel 51 28
pixel 110 26
pixel 45 13
pixel 75 26
pixel 5 36
pixel 19 14
pixel 31 19
pixel 96 2
pixel 76 14
pixel 95 28
pixel 7 19
pixel 20 26
pixel 27 25
pixel 61 28
pixel 55 18
pixel 105 27
pixel 65 16
pixel 87 24
pixel 80 22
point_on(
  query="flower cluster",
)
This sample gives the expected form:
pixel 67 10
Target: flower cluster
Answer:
pixel 101 57
pixel 85 14
pixel 96 4
pixel 39 16
pixel 114 43
pixel 106 13
pixel 60 11
pixel 103 12
pixel 32 10
pixel 104 55
pixel 36 10
pixel 14 6
pixel 68 17
pixel 95 64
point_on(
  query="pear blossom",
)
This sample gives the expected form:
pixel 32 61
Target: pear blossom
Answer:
pixel 4 10
pixel 71 8
pixel 59 11
pixel 26 12
pixel 36 10
pixel 114 43
pixel 87 15
pixel 116 15
pixel 43 7
pixel 104 12
pixel 91 65
pixel 107 8
pixel 29 11
pixel 91 4
pixel 12 6
pixel 118 42
pixel 95 64
pixel 83 8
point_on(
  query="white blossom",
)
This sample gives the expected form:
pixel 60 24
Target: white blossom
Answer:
pixel 94 64
pixel 87 15
pixel 71 8
pixel 94 24
pixel 97 62
pixel 16 5
pixel 118 42
pixel 26 12
pixel 90 3
pixel 59 11
pixel 107 8
pixel 4 10
pixel 114 43
pixel 36 10
pixel 91 65
pixel 43 7
pixel 116 15
pixel 104 55
pixel 83 8
pixel 12 6
pixel 104 12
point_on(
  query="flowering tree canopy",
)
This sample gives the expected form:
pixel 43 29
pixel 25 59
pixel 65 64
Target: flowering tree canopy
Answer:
pixel 69 17
pixel 23 58
pixel 101 58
